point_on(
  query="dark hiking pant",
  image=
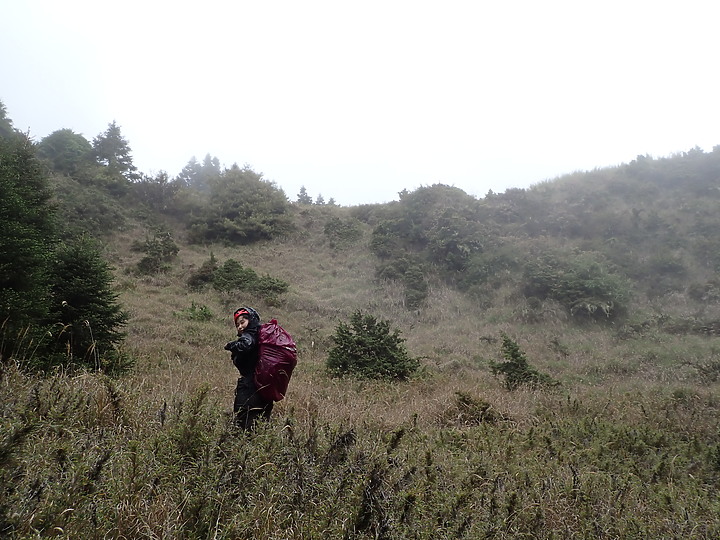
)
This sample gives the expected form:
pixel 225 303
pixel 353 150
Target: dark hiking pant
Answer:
pixel 249 405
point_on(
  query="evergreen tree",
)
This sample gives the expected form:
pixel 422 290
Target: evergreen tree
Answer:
pixel 243 208
pixel 85 315
pixel 6 125
pixel 66 290
pixel 65 150
pixel 113 151
pixel 189 172
pixel 26 240
pixel 320 200
pixel 199 176
pixel 303 197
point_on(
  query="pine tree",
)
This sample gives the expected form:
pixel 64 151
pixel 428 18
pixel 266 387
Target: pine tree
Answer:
pixel 85 314
pixel 113 150
pixel 26 241
pixel 65 150
pixel 6 125
pixel 303 197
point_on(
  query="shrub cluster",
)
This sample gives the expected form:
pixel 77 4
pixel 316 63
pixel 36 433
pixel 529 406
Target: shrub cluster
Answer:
pixel 582 284
pixel 516 370
pixel 159 252
pixel 368 348
pixel 342 232
pixel 233 276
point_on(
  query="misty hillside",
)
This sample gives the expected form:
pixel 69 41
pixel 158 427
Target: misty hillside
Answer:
pixel 624 248
pixel 633 244
pixel 565 338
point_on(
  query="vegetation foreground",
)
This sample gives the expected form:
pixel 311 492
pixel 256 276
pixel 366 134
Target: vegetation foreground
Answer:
pixel 560 379
pixel 627 446
pixel 88 457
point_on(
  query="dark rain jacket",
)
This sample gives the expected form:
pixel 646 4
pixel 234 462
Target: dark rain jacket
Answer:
pixel 244 349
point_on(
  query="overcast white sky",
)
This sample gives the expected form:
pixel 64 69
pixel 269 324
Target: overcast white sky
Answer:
pixel 359 100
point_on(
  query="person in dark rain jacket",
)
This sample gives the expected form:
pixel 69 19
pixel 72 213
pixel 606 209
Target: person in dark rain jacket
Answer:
pixel 249 406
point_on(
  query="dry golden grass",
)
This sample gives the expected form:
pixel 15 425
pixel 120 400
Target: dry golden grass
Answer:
pixel 627 446
pixel 454 335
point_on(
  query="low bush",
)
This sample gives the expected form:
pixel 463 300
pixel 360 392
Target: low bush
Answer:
pixel 516 370
pixel 368 348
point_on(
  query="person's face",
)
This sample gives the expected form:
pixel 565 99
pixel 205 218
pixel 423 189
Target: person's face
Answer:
pixel 241 323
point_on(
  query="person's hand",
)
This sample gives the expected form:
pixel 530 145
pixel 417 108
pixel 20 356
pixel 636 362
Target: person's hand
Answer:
pixel 229 345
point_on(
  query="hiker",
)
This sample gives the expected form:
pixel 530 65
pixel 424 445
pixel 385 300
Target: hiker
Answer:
pixel 249 405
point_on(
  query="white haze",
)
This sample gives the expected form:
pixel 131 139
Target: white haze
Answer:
pixel 360 100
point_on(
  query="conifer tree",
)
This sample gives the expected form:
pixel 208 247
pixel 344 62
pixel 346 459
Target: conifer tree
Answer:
pixel 85 315
pixel 6 125
pixel 303 197
pixel 26 241
pixel 113 150
pixel 65 150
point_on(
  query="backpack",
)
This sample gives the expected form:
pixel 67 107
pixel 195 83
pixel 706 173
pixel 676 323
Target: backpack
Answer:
pixel 277 357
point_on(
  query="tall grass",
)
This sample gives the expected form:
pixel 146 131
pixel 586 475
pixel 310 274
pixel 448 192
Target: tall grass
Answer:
pixel 628 446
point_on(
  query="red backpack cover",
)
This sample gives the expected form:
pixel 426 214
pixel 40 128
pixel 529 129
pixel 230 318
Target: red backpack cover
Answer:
pixel 277 358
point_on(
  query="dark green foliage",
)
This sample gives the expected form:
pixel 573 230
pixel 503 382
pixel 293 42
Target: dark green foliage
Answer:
pixel 342 233
pixel 385 242
pixel 581 283
pixel 242 208
pixel 196 312
pixel 86 208
pixel 432 226
pixel 27 240
pixel 204 275
pixel 368 348
pixel 270 287
pixel 6 126
pixel 232 276
pixel 65 288
pixel 85 317
pixel 416 288
pixel 65 150
pixel 113 151
pixel 411 273
pixel 159 252
pixel 516 370
pixel 157 192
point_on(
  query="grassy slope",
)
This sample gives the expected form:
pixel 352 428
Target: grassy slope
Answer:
pixel 628 446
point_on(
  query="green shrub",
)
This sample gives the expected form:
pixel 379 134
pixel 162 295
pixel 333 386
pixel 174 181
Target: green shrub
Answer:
pixel 368 348
pixel 516 370
pixel 204 275
pixel 159 252
pixel 242 208
pixel 409 271
pixel 342 233
pixel 196 312
pixel 232 276
pixel 584 286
